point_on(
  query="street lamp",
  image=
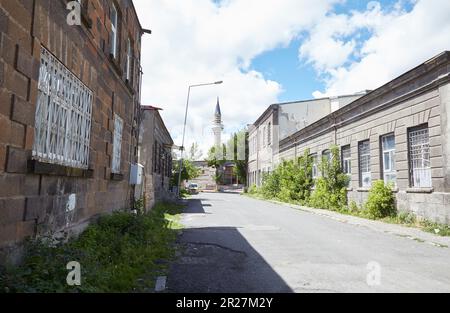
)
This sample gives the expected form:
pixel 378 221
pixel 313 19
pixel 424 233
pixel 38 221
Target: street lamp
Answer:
pixel 180 168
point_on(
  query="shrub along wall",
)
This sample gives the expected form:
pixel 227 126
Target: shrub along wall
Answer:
pixel 292 182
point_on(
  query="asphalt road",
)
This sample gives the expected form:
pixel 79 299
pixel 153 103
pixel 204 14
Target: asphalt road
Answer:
pixel 233 243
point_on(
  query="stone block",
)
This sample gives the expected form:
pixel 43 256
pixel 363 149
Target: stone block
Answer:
pixel 17 161
pixel 11 210
pixel 22 111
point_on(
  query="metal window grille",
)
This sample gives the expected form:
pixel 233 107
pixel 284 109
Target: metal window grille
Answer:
pixel 117 148
pixel 346 160
pixel 419 155
pixel 63 116
pixel 364 164
pixel 388 159
pixel 315 166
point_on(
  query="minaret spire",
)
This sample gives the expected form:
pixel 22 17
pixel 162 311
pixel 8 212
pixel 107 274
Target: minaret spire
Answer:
pixel 217 125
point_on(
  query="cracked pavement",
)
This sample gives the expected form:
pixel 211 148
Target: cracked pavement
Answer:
pixel 234 244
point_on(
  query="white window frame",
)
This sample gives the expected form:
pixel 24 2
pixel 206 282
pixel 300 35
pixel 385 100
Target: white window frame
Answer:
pixel 129 59
pixel 114 22
pixel 389 171
pixel 346 156
pixel 419 157
pixel 315 166
pixel 364 164
pixel 63 116
pixel 117 145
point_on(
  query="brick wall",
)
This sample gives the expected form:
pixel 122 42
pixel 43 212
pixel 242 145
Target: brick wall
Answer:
pixel 33 196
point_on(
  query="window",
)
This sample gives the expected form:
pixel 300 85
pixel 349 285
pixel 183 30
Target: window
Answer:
pixel 114 23
pixel 346 162
pixel 315 166
pixel 117 146
pixel 419 157
pixel 269 134
pixel 129 60
pixel 264 135
pixel 326 155
pixel 365 175
pixel 63 116
pixel 388 159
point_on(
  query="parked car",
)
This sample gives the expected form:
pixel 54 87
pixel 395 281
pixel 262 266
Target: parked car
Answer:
pixel 193 188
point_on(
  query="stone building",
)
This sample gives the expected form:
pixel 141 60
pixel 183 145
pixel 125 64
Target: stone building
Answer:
pixel 280 121
pixel 155 154
pixel 399 133
pixel 205 180
pixel 69 110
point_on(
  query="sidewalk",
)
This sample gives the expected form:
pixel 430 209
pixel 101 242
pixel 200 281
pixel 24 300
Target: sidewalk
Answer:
pixel 379 226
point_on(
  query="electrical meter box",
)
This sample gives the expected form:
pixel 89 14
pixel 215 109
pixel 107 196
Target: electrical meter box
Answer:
pixel 136 173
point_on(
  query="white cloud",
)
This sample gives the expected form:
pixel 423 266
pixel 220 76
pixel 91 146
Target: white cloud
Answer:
pixel 197 41
pixel 398 41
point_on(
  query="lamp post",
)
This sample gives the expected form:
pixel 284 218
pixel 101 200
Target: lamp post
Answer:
pixel 180 168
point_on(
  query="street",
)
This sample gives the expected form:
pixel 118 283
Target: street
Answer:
pixel 233 243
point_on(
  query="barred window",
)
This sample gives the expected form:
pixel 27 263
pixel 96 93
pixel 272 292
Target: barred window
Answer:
pixel 388 159
pixel 63 116
pixel 419 156
pixel 315 166
pixel 346 162
pixel 117 147
pixel 365 175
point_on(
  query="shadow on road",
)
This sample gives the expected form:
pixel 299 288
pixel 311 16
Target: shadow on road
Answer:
pixel 220 260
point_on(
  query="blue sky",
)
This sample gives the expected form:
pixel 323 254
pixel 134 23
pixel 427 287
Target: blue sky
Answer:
pixel 269 51
pixel 300 79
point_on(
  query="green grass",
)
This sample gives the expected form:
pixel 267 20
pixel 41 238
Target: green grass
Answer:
pixel 122 252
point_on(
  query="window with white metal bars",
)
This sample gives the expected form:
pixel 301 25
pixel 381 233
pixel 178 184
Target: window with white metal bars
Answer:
pixel 315 166
pixel 419 157
pixel 388 159
pixel 117 145
pixel 63 116
pixel 346 162
pixel 365 175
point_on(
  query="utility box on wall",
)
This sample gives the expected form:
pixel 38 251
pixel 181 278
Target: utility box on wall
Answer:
pixel 136 173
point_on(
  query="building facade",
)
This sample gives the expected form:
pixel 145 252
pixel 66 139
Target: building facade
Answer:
pixel 155 155
pixel 205 180
pixel 69 111
pixel 280 121
pixel 399 133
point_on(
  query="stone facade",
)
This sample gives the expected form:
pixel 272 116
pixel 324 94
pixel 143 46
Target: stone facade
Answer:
pixel 419 99
pixel 205 180
pixel 155 154
pixel 38 197
pixel 280 121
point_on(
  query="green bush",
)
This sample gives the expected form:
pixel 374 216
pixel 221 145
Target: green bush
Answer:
pixel 252 190
pixel 331 188
pixel 119 253
pixel 381 201
pixel 291 181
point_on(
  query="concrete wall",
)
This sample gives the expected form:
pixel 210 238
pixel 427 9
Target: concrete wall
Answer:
pixel 34 196
pixel 419 97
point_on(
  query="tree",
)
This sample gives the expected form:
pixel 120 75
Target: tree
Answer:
pixel 190 171
pixel 241 161
pixel 195 153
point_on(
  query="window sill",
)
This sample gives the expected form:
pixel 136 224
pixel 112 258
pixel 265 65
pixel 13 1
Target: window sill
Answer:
pixel 363 189
pixel 40 168
pixel 420 190
pixel 117 177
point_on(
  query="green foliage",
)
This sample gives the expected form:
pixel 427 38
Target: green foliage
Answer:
pixel 252 190
pixel 381 201
pixel 331 188
pixel 122 252
pixel 291 181
pixel 190 171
